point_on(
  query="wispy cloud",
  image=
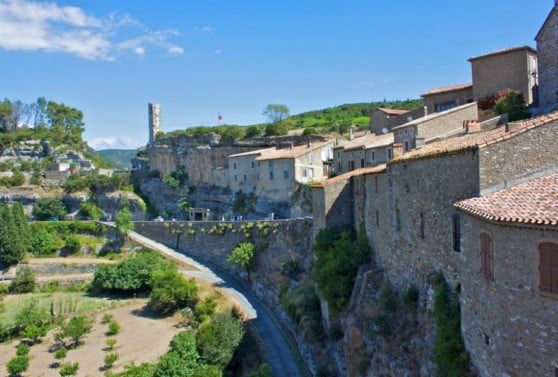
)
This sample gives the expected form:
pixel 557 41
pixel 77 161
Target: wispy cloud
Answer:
pixel 27 25
pixel 218 51
pixel 115 142
pixel 207 29
pixel 367 83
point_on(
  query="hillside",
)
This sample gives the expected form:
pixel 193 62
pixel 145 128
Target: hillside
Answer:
pixel 119 158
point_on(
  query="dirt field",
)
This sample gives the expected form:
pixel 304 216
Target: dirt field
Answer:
pixel 142 339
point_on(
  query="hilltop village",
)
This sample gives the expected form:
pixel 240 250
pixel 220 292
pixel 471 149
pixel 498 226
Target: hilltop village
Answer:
pixel 420 242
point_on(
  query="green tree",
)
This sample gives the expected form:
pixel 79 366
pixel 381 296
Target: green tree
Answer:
pixel 209 371
pixel 276 129
pixel 17 365
pixel 24 281
pixel 514 105
pixel 242 256
pixel 254 131
pixel 90 210
pixel 181 360
pixel 12 244
pixel 34 333
pixel 76 328
pixel 113 328
pixel 172 291
pixel 124 222
pixel 218 338
pixel 142 370
pixel 72 244
pixel 184 204
pixel 110 359
pixel 61 353
pixel 66 123
pixel 6 110
pixel 49 209
pixel 68 369
pixel 42 241
pixel 276 113
pixel 263 371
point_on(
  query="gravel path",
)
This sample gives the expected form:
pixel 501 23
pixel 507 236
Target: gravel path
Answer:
pixel 278 353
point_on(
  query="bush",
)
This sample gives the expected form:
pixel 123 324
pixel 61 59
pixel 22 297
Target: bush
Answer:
pixel 242 255
pixel 107 318
pixel 514 105
pixel 142 370
pixel 172 291
pixel 24 281
pixel 205 309
pixel 209 371
pixel 124 222
pixel 23 349
pixel 61 353
pixel 276 129
pixel 18 365
pixel 338 255
pixel 28 315
pixel 309 131
pixel 263 371
pixel 90 210
pixel 113 328
pixel 72 244
pixel 49 209
pixel 133 275
pixel 76 328
pixel 110 359
pixel 111 343
pixel 42 241
pixel 171 181
pixel 254 131
pixel 182 358
pixel 69 369
pixel 34 332
pixel 218 338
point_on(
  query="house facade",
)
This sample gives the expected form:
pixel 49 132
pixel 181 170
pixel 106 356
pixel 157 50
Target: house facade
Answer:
pixel 509 279
pixel 512 68
pixel 364 151
pixel 384 119
pixel 547 49
pixel 442 99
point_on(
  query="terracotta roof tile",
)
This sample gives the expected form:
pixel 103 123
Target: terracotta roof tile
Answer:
pixel 283 153
pixel 532 202
pixel 357 142
pixel 393 111
pixel 475 140
pixel 444 89
pixel 353 173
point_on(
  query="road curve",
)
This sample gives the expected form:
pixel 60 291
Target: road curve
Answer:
pixel 278 354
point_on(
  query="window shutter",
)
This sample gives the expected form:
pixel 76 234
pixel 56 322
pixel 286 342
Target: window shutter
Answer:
pixel 486 256
pixel 548 267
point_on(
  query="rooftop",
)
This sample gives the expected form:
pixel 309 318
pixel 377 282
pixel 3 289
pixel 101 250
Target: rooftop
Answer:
pixel 286 153
pixel 381 141
pixel 445 89
pixel 389 111
pixel 534 202
pixel 475 140
pixel 353 173
pixel 358 142
pixel 434 116
pixel 504 51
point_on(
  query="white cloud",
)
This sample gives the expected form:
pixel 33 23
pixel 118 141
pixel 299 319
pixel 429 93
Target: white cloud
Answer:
pixel 207 29
pixel 218 51
pixel 115 142
pixel 27 25
pixel 367 83
pixel 175 50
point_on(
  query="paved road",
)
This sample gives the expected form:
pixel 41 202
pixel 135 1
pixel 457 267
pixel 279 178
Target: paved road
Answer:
pixel 278 353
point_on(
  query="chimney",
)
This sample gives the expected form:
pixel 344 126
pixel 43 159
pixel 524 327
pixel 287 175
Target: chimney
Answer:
pixel 426 108
pixel 397 150
pixel 472 126
pixel 351 136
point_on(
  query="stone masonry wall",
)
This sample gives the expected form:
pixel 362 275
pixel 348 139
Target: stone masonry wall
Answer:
pixel 332 205
pixel 547 49
pixel 526 155
pixel 509 327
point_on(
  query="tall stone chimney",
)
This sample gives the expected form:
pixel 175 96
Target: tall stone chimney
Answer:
pixel 154 110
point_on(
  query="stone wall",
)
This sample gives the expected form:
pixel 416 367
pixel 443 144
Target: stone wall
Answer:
pixel 547 49
pixel 332 204
pixel 509 327
pixel 456 97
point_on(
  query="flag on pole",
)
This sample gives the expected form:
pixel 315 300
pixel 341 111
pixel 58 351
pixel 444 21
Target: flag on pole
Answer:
pixel 220 117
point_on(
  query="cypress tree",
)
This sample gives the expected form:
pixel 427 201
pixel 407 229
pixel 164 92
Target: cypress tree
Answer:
pixel 22 226
pixel 12 249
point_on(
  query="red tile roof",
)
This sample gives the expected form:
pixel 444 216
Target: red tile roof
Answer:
pixel 504 51
pixel 475 140
pixel 393 111
pixel 534 202
pixel 444 89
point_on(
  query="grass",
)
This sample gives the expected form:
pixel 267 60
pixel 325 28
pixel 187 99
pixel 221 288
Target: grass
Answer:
pixel 67 303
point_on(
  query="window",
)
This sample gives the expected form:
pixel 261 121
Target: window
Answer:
pixel 486 256
pixel 373 156
pixel 390 153
pixel 422 226
pixel 310 159
pixel 362 162
pixel 245 177
pixel 548 267
pixel 397 217
pixel 351 165
pixel 406 131
pixel 235 178
pixel 234 165
pixel 377 218
pixel 338 154
pixel 258 176
pixel 376 184
pixel 406 146
pixel 339 166
pixel 271 176
pixel 304 173
pixel 285 174
pixel 456 225
pixel 270 163
pixel 311 173
pixel 439 107
pixel 253 164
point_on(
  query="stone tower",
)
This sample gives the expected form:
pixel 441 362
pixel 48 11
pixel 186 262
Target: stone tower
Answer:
pixel 154 110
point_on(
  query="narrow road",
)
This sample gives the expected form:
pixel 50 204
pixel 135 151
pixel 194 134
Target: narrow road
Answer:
pixel 278 353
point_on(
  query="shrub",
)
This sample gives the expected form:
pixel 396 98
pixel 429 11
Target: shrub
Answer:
pixel 276 129
pixel 206 308
pixel 24 281
pixel 18 365
pixel 242 255
pixel 111 343
pixel 69 369
pixel 263 371
pixel 110 359
pixel 49 209
pixel 142 370
pixel 218 338
pixel 28 315
pixel 113 328
pixel 61 353
pixel 23 349
pixel 76 328
pixel 90 210
pixel 72 244
pixel 107 318
pixel 254 131
pixel 14 234
pixel 309 131
pixel 34 332
pixel 514 105
pixel 172 291
pixel 42 241
pixel 182 358
pixel 171 181
pixel 209 371
pixel 124 222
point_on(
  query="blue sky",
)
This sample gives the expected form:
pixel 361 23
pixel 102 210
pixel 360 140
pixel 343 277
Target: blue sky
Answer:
pixel 199 58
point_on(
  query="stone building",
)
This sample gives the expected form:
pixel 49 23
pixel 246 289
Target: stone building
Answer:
pixel 547 49
pixel 424 130
pixel 154 111
pixel 384 119
pixel 509 279
pixel 512 68
pixel 441 99
pixel 367 150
